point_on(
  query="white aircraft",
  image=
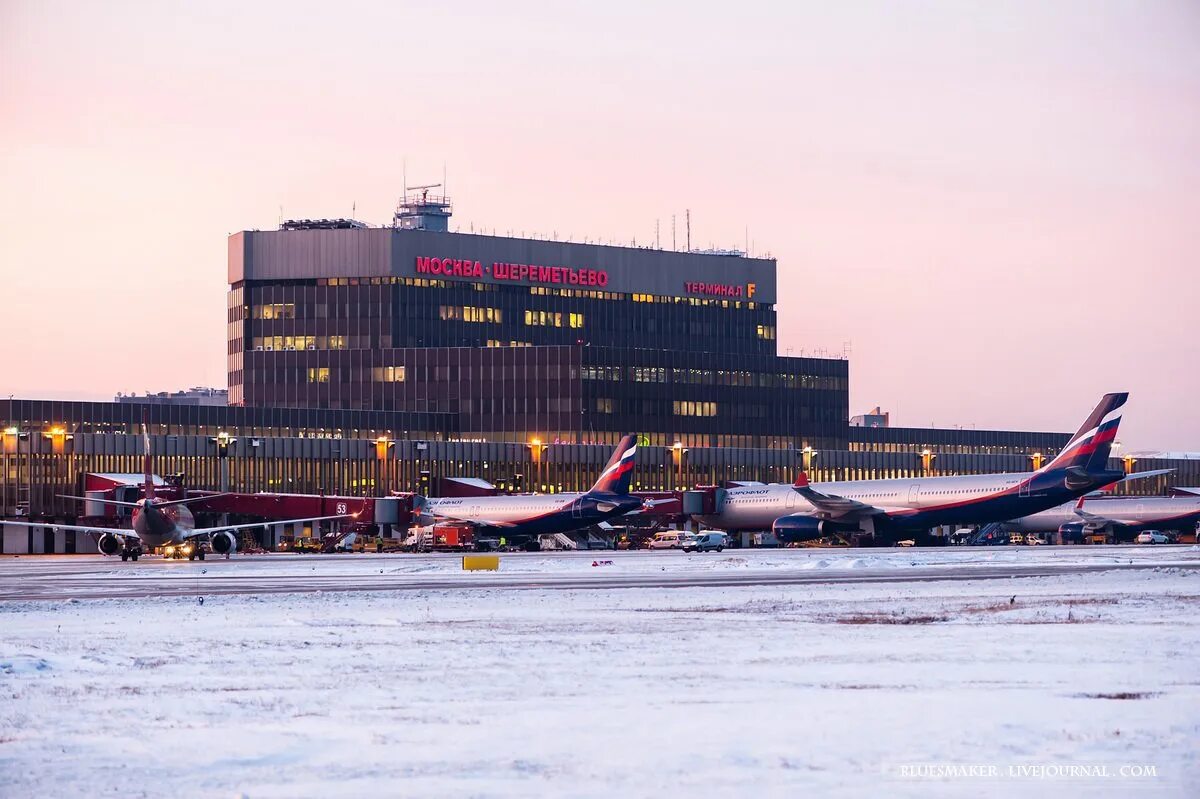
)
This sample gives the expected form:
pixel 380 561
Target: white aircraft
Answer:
pixel 803 512
pixel 529 515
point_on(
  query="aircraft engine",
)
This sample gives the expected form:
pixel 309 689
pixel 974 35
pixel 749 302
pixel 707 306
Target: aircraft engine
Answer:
pixel 795 529
pixel 224 542
pixel 1072 532
pixel 109 544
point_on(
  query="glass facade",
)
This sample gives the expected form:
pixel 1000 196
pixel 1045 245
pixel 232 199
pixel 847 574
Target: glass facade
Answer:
pixel 279 327
pixel 713 400
pixel 957 441
pixel 125 418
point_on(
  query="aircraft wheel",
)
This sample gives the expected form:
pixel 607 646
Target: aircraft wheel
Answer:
pixel 124 556
pixel 201 554
pixel 134 556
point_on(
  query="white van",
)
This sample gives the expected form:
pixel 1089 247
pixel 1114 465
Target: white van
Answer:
pixel 706 542
pixel 667 540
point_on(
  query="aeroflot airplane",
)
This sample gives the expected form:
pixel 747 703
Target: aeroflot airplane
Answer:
pixel 1123 517
pixel 531 515
pixel 161 523
pixel 803 512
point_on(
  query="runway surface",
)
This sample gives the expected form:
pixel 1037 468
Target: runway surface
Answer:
pixel 95 577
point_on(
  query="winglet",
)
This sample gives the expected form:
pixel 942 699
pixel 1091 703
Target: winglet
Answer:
pixel 801 481
pixel 1079 504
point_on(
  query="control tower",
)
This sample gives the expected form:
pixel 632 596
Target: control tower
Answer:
pixel 420 210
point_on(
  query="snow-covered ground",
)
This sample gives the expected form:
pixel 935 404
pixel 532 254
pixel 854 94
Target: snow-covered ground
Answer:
pixel 639 561
pixel 732 691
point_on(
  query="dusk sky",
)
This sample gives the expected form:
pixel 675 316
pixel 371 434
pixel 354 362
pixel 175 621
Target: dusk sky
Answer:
pixel 996 206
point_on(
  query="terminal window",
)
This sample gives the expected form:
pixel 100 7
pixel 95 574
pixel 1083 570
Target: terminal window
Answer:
pixel 277 310
pixel 690 408
pixel 318 374
pixel 388 374
pixel 470 313
pixel 544 319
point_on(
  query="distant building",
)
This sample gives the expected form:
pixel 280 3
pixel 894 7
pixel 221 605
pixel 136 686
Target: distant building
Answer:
pixel 197 395
pixel 872 418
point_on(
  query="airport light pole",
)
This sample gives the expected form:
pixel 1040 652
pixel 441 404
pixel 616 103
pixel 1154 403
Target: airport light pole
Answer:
pixel 678 451
pixel 383 445
pixel 223 441
pixel 536 449
pixel 58 438
pixel 927 458
pixel 808 455
pixel 13 434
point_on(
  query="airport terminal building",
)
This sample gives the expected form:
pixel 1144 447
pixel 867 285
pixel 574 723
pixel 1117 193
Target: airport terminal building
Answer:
pixel 364 360
pixel 523 338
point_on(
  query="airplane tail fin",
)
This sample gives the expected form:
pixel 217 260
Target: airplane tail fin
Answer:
pixel 147 462
pixel 618 472
pixel 1089 448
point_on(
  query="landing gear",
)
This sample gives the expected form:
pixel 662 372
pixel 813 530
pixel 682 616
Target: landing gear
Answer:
pixel 197 552
pixel 131 553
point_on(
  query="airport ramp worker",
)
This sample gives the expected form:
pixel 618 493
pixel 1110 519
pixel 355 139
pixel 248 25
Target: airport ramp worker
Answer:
pixel 378 542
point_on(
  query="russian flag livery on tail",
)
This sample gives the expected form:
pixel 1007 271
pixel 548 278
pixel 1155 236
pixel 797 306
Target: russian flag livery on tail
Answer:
pixel 619 470
pixel 1088 450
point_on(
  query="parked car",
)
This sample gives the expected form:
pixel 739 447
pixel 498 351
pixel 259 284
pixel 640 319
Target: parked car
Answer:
pixel 1034 539
pixel 668 540
pixel 1153 537
pixel 705 542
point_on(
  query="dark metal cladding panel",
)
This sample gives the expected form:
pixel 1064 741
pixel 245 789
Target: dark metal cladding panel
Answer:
pixel 381 252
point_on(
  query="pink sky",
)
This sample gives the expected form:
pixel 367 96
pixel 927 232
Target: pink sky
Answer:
pixel 996 204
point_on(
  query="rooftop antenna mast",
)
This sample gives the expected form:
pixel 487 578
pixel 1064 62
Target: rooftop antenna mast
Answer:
pixel 689 229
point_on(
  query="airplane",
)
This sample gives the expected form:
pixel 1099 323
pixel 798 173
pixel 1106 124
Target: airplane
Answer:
pixel 804 512
pixel 1119 517
pixel 525 516
pixel 162 523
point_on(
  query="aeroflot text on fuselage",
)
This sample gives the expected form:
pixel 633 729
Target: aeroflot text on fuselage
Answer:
pixel 521 273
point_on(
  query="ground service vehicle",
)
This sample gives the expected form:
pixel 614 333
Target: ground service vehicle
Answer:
pixel 667 540
pixel 705 542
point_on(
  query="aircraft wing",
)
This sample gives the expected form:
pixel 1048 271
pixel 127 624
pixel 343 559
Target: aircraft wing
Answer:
pixel 441 517
pixel 650 504
pixel 120 532
pixel 831 506
pixel 1092 518
pixel 230 527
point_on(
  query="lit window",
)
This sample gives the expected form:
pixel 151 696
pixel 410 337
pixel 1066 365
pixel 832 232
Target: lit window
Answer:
pixel 388 374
